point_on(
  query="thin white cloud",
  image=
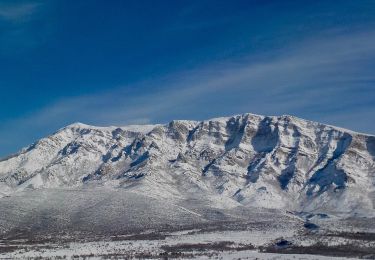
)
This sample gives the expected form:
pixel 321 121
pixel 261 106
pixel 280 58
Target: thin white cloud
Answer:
pixel 17 35
pixel 15 12
pixel 326 79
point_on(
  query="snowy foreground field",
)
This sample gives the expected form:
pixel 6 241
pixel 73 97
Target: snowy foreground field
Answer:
pixel 280 243
pixel 115 223
pixel 189 244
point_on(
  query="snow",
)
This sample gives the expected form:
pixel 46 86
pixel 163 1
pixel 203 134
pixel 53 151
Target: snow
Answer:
pixel 273 162
pixel 125 247
pixel 247 179
pixel 148 247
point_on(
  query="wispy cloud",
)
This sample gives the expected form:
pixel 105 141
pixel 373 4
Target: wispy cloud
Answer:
pixel 15 12
pixel 326 79
pixel 17 33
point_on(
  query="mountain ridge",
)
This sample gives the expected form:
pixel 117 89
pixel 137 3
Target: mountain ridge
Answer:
pixel 264 161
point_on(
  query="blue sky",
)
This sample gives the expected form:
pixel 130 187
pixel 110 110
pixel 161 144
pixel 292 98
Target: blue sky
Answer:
pixel 127 62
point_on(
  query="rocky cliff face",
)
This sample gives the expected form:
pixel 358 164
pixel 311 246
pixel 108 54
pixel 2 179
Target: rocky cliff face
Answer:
pixel 273 162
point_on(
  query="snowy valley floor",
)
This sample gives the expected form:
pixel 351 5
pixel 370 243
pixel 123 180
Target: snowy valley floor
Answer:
pixel 258 242
pixel 221 241
pixel 105 223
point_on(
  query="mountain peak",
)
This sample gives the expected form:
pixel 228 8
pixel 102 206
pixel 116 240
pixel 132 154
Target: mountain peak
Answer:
pixel 278 161
pixel 78 125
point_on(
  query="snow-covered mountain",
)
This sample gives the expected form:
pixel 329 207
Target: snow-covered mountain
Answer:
pixel 251 160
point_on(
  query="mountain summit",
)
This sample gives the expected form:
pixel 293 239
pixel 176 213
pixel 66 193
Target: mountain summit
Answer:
pixel 249 160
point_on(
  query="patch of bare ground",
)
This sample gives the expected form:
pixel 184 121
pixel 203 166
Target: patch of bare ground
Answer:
pixel 145 236
pixel 218 246
pixel 344 250
pixel 365 236
pixel 8 248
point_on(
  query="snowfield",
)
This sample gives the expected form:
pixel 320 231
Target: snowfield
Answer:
pixel 243 186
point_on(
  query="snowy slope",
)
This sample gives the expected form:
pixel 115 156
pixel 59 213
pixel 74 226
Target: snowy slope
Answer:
pixel 251 160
